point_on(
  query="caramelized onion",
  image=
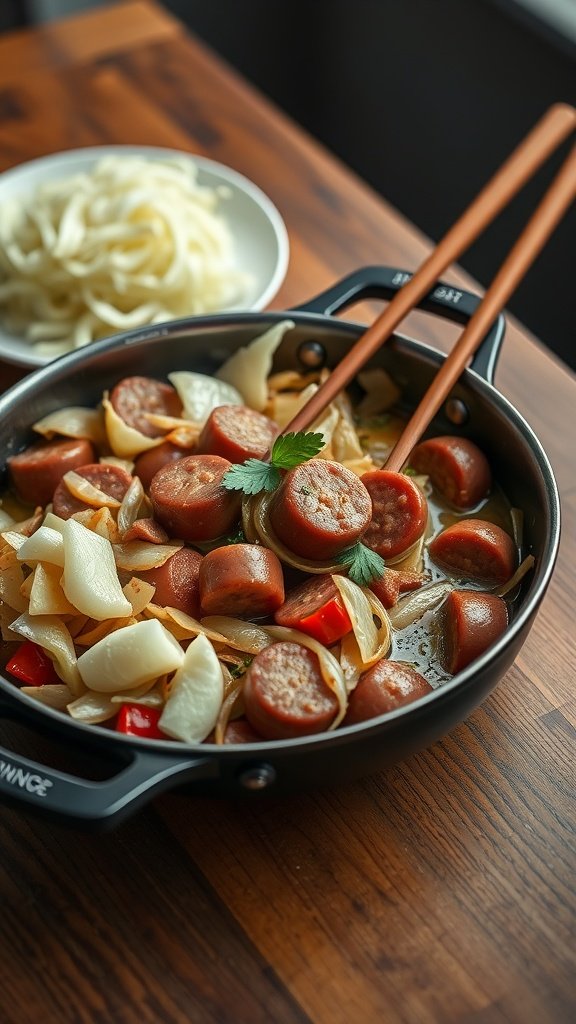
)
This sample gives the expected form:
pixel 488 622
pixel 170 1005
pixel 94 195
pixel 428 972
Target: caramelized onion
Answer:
pixel 410 609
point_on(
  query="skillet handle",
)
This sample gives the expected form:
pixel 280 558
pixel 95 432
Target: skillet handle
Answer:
pixel 71 800
pixel 444 300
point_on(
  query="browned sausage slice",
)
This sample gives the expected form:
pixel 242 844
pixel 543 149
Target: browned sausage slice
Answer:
pixel 456 467
pixel 476 549
pixel 133 397
pixel 393 583
pixel 285 695
pixel 176 582
pixel 147 464
pixel 237 433
pixel 242 580
pixel 240 731
pixel 37 471
pixel 148 530
pixel 113 480
pixel 384 687
pixel 190 501
pixel 320 509
pixel 470 622
pixel 399 515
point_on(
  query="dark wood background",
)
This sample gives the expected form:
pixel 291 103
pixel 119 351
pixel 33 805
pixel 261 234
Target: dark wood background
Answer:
pixel 439 891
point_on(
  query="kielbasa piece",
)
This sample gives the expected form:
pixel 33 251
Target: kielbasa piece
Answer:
pixel 399 512
pixel 456 467
pixel 147 464
pixel 285 695
pixel 475 549
pixel 470 622
pixel 176 582
pixel 133 397
pixel 242 580
pixel 240 731
pixel 395 582
pixel 190 501
pixel 237 433
pixel 320 509
pixel 148 530
pixel 315 607
pixel 37 471
pixel 112 480
pixel 384 687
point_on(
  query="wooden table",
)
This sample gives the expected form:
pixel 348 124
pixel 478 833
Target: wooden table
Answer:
pixel 439 891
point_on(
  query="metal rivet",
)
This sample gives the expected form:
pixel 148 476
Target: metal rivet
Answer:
pixel 456 411
pixel 258 776
pixel 312 354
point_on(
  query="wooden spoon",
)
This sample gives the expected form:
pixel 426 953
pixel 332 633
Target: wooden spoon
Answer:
pixel 555 126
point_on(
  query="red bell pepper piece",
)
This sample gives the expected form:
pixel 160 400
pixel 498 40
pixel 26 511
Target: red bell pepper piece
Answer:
pixel 138 720
pixel 315 607
pixel 30 664
pixel 328 623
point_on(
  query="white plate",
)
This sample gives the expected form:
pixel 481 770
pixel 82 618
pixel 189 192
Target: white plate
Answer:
pixel 260 236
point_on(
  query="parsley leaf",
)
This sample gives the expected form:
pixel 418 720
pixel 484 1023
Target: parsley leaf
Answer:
pixel 289 450
pixel 252 477
pixel 364 565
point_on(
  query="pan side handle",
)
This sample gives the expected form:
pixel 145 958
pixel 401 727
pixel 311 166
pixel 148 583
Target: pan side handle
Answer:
pixel 85 803
pixel 444 300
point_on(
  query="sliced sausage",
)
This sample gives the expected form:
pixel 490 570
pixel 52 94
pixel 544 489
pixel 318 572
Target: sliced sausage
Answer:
pixel 112 479
pixel 240 731
pixel 399 512
pixel 316 607
pixel 190 501
pixel 285 695
pixel 176 582
pixel 470 622
pixel 456 467
pixel 37 471
pixel 393 583
pixel 242 580
pixel 148 530
pixel 475 549
pixel 237 433
pixel 149 462
pixel 320 509
pixel 133 397
pixel 384 687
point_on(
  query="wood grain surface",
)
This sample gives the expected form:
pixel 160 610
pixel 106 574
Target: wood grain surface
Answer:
pixel 439 891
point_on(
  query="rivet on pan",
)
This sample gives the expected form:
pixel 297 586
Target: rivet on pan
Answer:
pixel 312 354
pixel 258 776
pixel 456 411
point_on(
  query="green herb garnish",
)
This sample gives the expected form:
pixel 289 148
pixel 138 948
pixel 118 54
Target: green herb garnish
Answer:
pixel 288 450
pixel 364 565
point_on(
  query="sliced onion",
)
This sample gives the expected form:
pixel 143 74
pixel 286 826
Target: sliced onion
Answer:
pixel 183 437
pixel 169 422
pixel 11 580
pixel 8 557
pixel 73 421
pixel 363 607
pixel 411 608
pixel 129 657
pixel 46 594
pixel 525 566
pixel 90 580
pixel 517 520
pixel 329 667
pixel 100 521
pixel 138 555
pixel 193 705
pixel 46 545
pixel 201 394
pixel 113 460
pixel 130 505
pixel 230 708
pixel 85 491
pixel 92 708
pixel 139 593
pixel 51 634
pixel 125 441
pixel 14 539
pixel 149 696
pixel 52 695
pixel 237 633
pixel 96 631
pixel 248 368
pixel 261 522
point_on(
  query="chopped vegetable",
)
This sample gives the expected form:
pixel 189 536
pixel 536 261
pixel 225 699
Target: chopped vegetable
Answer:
pixel 90 579
pixel 129 657
pixel 196 694
pixel 247 370
pixel 30 664
pixel 136 720
pixel 289 450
